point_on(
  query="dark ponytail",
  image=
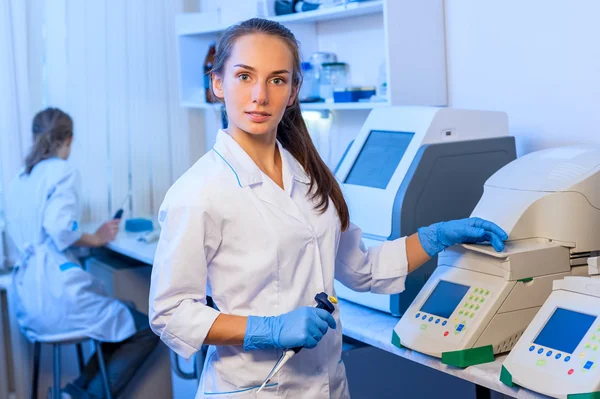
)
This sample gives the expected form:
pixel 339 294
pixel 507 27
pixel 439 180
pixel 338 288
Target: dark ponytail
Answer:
pixel 291 131
pixel 51 128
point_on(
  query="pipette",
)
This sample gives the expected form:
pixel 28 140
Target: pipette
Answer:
pixel 119 213
pixel 324 301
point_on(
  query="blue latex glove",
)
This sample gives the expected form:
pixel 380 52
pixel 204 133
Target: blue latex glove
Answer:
pixel 304 327
pixel 439 236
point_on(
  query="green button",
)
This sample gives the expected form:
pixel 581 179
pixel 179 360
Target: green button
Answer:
pixel 487 292
pixel 470 297
pixel 593 337
pixel 476 290
pixel 481 300
pixel 466 304
pixel 588 346
pixel 471 307
pixel 461 312
pixel 472 314
pixel 541 362
pixel 466 314
pixel 423 326
pixel 477 307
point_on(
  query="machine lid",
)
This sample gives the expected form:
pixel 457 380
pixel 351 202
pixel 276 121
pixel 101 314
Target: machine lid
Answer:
pixel 513 247
pixel 551 170
pixel 579 284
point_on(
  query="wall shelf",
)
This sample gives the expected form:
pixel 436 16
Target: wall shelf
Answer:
pixel 197 24
pixel 401 40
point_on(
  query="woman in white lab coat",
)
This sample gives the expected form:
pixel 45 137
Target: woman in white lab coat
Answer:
pixel 259 223
pixel 56 299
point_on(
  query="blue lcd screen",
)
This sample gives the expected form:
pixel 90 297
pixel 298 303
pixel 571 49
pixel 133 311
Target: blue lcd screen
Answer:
pixel 379 158
pixel 564 330
pixel 444 299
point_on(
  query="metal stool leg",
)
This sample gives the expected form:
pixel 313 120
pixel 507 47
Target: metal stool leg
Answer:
pixel 103 369
pixel 80 358
pixel 37 348
pixel 56 388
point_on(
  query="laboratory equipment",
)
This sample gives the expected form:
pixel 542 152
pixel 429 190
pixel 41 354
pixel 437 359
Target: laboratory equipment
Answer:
pixel 558 354
pixel 325 302
pixel 353 94
pixel 150 236
pixel 414 166
pixel 334 76
pixel 478 302
pixel 119 213
pixel 309 91
pixel 317 59
pixel 137 225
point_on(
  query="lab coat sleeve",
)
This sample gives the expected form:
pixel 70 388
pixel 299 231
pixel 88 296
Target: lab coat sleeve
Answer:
pixel 178 313
pixel 381 269
pixel 61 214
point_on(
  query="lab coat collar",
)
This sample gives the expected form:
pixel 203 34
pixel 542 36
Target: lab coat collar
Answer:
pixel 246 170
pixel 292 165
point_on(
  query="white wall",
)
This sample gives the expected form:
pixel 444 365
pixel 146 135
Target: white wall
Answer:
pixel 537 60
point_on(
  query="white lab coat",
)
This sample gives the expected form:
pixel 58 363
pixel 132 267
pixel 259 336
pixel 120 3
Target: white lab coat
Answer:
pixel 261 251
pixel 56 299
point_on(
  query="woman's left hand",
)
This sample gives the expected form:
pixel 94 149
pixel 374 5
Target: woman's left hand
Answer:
pixel 439 236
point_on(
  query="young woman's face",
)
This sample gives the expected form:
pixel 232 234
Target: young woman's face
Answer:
pixel 257 83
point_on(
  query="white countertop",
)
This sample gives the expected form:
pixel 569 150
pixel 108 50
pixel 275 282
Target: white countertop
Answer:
pixel 127 244
pixel 361 323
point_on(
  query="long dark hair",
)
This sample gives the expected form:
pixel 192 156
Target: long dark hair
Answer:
pixel 291 131
pixel 51 128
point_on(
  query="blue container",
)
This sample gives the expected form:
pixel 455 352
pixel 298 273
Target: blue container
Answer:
pixel 353 94
pixel 137 225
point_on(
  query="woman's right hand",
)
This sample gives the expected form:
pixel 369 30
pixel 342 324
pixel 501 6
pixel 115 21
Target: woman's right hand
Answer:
pixel 107 232
pixel 302 327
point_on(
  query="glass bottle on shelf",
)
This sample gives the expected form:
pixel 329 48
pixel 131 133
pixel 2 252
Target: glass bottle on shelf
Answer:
pixel 208 64
pixel 334 75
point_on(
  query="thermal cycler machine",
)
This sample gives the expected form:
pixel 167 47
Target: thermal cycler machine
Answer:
pixel 559 353
pixel 478 302
pixel 414 166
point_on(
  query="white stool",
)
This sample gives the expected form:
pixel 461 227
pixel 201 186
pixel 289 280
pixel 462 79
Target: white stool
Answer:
pixel 57 360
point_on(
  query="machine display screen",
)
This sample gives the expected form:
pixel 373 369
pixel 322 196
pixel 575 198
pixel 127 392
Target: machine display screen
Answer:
pixel 379 158
pixel 444 299
pixel 564 330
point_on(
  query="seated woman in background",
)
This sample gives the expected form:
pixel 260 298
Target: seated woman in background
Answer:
pixel 56 299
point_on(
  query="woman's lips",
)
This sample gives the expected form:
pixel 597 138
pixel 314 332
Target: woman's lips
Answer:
pixel 257 116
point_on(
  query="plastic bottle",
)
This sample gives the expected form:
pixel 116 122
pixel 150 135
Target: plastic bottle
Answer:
pixel 309 92
pixel 208 64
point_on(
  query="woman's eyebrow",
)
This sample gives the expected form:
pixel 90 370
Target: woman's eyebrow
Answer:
pixel 248 67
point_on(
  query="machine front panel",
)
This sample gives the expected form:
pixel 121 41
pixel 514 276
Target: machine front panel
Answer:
pixel 451 310
pixel 559 352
